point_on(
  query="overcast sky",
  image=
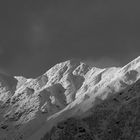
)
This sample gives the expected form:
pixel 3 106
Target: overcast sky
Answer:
pixel 36 34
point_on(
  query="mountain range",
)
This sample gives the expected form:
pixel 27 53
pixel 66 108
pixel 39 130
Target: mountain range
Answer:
pixel 72 101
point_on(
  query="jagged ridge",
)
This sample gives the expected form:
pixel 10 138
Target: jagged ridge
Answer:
pixel 69 89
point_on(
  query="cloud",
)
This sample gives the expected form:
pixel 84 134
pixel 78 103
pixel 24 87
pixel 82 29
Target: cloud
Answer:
pixel 103 62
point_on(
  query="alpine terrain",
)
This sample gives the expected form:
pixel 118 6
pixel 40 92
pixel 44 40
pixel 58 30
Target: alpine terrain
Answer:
pixel 72 101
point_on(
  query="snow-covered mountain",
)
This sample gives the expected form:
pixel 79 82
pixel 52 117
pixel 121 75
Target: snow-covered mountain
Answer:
pixel 69 95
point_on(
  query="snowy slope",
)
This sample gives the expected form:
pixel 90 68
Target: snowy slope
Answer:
pixel 31 107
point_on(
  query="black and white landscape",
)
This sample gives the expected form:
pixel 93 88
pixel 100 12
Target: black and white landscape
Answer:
pixel 69 70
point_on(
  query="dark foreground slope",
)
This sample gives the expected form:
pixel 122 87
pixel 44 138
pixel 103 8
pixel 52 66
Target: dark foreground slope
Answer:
pixel 115 118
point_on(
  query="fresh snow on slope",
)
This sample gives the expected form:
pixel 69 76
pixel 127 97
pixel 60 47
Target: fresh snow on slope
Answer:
pixel 31 107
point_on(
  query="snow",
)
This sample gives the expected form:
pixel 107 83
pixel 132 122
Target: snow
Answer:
pixel 31 107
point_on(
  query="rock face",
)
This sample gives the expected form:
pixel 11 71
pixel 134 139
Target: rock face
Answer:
pixel 72 101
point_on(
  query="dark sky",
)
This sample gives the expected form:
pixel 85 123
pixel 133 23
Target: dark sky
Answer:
pixel 36 34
